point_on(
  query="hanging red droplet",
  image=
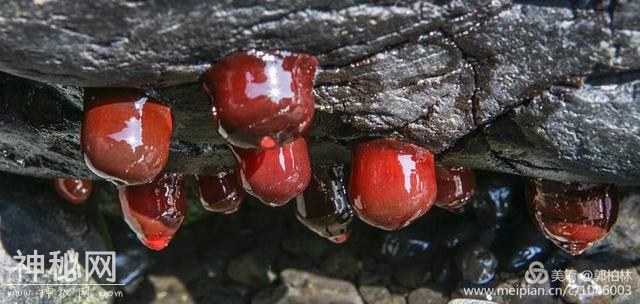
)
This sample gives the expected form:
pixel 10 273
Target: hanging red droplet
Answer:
pixel 262 99
pixel 324 207
pixel 155 211
pixel 456 187
pixel 572 215
pixel 125 135
pixel 277 175
pixel 220 193
pixel 75 191
pixel 392 183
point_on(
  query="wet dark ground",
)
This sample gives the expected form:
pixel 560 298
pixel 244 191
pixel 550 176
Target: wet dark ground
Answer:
pixel 264 255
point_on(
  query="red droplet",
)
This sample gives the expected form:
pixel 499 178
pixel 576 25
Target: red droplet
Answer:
pixel 456 186
pixel 262 99
pixel 392 183
pixel 275 176
pixel 339 239
pixel 572 215
pixel 324 207
pixel 155 211
pixel 125 135
pixel 74 191
pixel 221 193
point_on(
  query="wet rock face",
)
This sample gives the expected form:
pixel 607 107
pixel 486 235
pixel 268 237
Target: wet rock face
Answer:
pixel 538 90
pixel 65 227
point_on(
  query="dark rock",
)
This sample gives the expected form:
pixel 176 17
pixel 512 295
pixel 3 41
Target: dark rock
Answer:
pixel 397 246
pixel 558 260
pixel 494 201
pixel 412 275
pixel 252 268
pixel 33 218
pixel 477 264
pixel 487 76
pixel 342 264
pixel 212 291
pixel 520 247
pixel 592 128
pixel 303 287
pixel 425 295
pixel 306 246
pixel 380 295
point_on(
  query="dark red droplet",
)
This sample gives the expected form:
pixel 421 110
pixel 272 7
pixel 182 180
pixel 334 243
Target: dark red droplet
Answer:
pixel 572 215
pixel 324 207
pixel 75 191
pixel 456 186
pixel 392 183
pixel 155 211
pixel 220 193
pixel 277 175
pixel 262 99
pixel 125 135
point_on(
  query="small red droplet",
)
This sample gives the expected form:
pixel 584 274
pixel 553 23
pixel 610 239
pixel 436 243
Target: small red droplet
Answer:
pixel 221 193
pixel 339 239
pixel 277 175
pixel 392 183
pixel 324 207
pixel 456 187
pixel 125 135
pixel 155 211
pixel 259 95
pixel 267 142
pixel 75 191
pixel 572 215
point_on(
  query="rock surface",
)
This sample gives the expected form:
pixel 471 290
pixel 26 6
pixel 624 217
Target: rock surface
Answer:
pixel 33 218
pixel 304 287
pixel 546 89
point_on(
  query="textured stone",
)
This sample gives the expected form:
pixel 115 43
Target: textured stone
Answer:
pixel 425 295
pixel 484 81
pixel 304 287
pixel 33 218
pixel 379 295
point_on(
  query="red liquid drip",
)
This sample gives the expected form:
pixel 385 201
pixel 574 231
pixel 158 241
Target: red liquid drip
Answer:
pixel 456 187
pixel 221 193
pixel 262 99
pixel 75 191
pixel 155 211
pixel 339 239
pixel 125 135
pixel 324 207
pixel 572 215
pixel 392 183
pixel 275 176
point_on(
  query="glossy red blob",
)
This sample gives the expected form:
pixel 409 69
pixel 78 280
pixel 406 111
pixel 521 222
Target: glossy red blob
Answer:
pixel 456 187
pixel 275 176
pixel 125 135
pixel 74 191
pixel 572 215
pixel 339 239
pixel 262 99
pixel 155 211
pixel 221 193
pixel 324 207
pixel 392 183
